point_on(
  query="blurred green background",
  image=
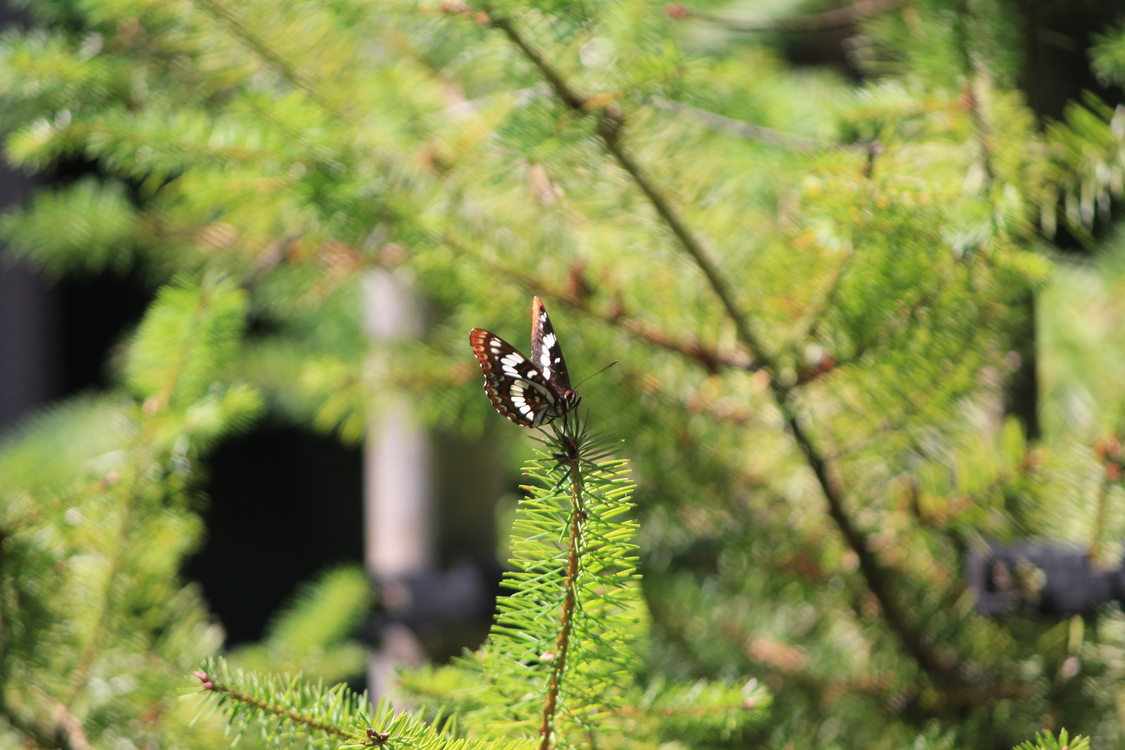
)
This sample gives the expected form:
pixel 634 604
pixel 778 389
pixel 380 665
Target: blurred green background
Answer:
pixel 862 265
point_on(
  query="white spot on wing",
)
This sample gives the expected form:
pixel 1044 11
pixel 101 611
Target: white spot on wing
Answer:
pixel 509 364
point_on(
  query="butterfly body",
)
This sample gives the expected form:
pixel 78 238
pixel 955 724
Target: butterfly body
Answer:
pixel 530 392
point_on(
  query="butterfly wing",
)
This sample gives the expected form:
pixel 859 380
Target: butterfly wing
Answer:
pixel 515 386
pixel 546 353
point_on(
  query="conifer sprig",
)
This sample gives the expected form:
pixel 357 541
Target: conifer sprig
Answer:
pixel 312 721
pixel 562 647
pixel 286 709
pixel 1049 741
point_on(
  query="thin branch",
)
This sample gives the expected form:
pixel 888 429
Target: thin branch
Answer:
pixel 943 670
pixel 577 296
pixel 758 133
pixel 829 20
pixel 694 402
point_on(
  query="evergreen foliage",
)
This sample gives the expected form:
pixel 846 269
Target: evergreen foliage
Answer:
pixel 587 661
pixel 287 712
pixel 1048 741
pixel 314 634
pixel 823 292
pixel 97 627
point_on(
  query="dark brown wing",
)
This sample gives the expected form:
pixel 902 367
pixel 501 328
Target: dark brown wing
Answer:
pixel 516 387
pixel 546 353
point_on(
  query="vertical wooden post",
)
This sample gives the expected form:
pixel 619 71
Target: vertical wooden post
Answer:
pixel 398 496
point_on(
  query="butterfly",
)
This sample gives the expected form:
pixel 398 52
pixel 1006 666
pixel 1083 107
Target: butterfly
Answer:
pixel 530 392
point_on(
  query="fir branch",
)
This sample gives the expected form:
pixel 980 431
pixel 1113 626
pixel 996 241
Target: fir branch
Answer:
pixel 693 349
pixel 260 704
pixel 1048 741
pixel 286 709
pixel 943 669
pixel 566 616
pixel 708 357
pixel 572 582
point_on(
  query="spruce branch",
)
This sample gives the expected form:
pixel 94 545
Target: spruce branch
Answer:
pixel 570 583
pixel 562 647
pixel 285 710
pixel 943 668
pixel 229 694
pixel 710 358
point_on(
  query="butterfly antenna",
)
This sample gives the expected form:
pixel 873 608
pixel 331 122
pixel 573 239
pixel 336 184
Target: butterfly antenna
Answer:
pixel 599 372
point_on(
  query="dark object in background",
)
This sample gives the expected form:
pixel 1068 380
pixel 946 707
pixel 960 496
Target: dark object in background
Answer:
pixel 1039 578
pixel 444 609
